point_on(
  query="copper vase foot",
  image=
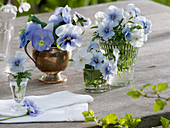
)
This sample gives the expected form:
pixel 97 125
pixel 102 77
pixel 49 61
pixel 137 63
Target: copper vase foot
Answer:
pixel 53 78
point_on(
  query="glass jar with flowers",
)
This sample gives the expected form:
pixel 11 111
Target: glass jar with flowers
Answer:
pixel 97 68
pixel 18 80
pixel 125 31
pixel 53 42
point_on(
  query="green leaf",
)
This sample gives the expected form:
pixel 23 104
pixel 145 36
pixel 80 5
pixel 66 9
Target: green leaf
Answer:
pixel 83 32
pixel 154 88
pixel 168 98
pixel 159 105
pixel 110 119
pixel 70 60
pixel 145 86
pixel 94 27
pixel 162 87
pixel 134 93
pixel 38 2
pixel 89 116
pixel 165 122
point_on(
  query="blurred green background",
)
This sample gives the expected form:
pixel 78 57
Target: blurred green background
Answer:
pixel 39 6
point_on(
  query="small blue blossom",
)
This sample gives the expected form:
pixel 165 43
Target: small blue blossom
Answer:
pixel 33 110
pixel 23 39
pixel 114 14
pixel 66 14
pixel 146 24
pixel 56 19
pixel 97 60
pixel 126 31
pixel 69 37
pixel 105 30
pixel 42 39
pixel 133 10
pixel 108 69
pixel 17 61
pixel 93 46
pixel 27 34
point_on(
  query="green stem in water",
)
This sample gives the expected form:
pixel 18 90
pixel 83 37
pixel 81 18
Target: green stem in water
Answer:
pixel 13 117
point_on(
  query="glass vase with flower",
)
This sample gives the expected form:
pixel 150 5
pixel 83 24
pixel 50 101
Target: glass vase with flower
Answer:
pixel 125 31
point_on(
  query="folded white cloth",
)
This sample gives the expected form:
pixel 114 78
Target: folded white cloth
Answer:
pixel 59 106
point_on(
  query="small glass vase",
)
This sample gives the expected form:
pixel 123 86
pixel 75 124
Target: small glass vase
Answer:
pixel 126 62
pixel 7 23
pixel 18 93
pixel 94 82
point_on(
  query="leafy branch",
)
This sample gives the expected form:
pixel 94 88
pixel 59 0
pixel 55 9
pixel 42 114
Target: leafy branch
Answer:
pixel 112 120
pixel 160 102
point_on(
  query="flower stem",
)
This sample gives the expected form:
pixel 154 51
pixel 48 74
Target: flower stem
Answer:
pixel 13 117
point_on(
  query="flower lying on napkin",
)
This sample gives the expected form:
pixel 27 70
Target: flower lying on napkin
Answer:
pixel 59 106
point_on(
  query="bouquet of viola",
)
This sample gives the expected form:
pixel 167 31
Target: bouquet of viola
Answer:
pixel 62 30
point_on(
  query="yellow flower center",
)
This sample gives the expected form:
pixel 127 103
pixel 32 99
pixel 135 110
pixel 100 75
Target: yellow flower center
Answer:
pixel 137 39
pixel 96 60
pixel 106 30
pixel 68 38
pixel 107 70
pixel 144 26
pixel 81 59
pixel 41 43
pixel 113 17
pixel 17 63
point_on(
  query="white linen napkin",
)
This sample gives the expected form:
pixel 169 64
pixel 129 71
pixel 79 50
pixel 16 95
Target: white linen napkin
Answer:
pixel 59 106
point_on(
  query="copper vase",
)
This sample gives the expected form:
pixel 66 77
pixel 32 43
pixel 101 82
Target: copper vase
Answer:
pixel 51 62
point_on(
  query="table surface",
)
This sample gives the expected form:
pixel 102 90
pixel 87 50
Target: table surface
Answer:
pixel 153 66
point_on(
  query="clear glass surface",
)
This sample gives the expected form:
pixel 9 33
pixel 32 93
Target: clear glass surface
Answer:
pixel 7 23
pixel 18 93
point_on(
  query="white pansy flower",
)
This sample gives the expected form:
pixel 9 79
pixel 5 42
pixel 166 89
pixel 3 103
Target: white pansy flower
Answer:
pixel 126 17
pixel 9 8
pixel 99 17
pixel 82 57
pixel 137 38
pixel 24 6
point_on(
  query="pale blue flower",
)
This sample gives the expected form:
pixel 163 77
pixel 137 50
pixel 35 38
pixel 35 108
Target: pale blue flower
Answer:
pixel 69 37
pixel 57 11
pixel 97 60
pixel 137 38
pixel 56 19
pixel 30 28
pixel 105 30
pixel 108 69
pixel 144 23
pixel 27 34
pixel 42 39
pixel 22 39
pixel 114 14
pixel 33 110
pixel 126 31
pixel 17 61
pixel 93 46
pixel 66 14
pixel 133 10
pixel 78 16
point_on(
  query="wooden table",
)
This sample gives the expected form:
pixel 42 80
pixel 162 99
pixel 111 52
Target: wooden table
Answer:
pixel 153 66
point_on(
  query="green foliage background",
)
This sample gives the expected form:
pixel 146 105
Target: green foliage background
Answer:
pixel 40 6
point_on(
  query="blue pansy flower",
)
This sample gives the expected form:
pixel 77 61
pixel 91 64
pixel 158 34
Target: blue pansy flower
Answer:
pixel 133 10
pixel 126 31
pixel 42 39
pixel 114 14
pixel 33 110
pixel 146 24
pixel 97 60
pixel 69 37
pixel 105 30
pixel 93 46
pixel 22 39
pixel 108 69
pixel 27 34
pixel 56 19
pixel 17 61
